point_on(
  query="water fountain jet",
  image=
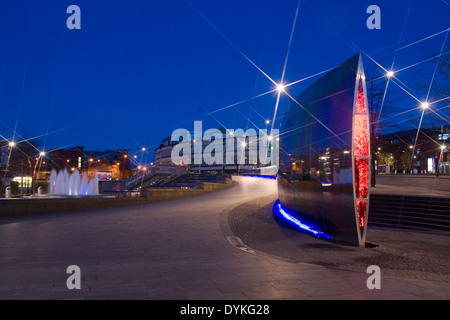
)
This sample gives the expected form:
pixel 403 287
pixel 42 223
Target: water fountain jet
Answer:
pixel 63 184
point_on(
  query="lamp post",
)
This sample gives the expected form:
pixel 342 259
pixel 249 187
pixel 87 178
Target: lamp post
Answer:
pixel 11 145
pixel 282 88
pixel 34 170
pixel 438 159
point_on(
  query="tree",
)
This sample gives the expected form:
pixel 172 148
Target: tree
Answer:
pixel 380 100
pixel 441 90
pixel 437 87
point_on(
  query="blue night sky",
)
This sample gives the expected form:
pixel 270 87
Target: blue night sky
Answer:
pixel 137 70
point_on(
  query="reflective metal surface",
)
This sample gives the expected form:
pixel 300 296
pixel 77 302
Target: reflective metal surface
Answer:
pixel 316 176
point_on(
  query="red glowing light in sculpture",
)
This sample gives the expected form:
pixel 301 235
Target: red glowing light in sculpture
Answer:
pixel 361 157
pixel 361 137
pixel 360 102
pixel 361 177
pixel 361 209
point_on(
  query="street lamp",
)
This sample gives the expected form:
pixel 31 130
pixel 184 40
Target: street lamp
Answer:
pixel 280 88
pixel 425 105
pixel 390 74
pixel 11 144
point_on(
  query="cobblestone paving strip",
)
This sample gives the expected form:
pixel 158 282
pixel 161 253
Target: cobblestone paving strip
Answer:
pixel 409 254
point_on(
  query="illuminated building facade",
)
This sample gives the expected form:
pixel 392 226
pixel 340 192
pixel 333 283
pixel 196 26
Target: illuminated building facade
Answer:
pixel 245 153
pixel 108 164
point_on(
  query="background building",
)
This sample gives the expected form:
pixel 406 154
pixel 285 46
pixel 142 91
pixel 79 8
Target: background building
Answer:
pixel 247 144
pixel 22 162
pixel 108 164
pixel 399 152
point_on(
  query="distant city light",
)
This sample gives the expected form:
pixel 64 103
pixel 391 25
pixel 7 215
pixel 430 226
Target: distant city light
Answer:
pixel 390 74
pixel 425 105
pixel 267 121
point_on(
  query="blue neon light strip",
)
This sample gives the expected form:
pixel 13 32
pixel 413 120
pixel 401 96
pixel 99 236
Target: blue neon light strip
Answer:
pixel 258 176
pixel 281 212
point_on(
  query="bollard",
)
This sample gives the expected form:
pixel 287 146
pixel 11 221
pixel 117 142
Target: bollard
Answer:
pixel 8 192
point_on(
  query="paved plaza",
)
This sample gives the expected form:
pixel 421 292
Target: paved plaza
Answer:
pixel 195 249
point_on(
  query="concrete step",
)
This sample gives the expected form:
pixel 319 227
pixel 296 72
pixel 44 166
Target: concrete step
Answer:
pixel 422 213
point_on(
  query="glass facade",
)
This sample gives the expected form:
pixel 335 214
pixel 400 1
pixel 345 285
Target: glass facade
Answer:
pixel 324 154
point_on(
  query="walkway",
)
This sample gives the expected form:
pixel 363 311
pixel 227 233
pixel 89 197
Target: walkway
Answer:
pixel 177 249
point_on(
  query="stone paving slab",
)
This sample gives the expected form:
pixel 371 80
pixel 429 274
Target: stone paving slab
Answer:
pixel 173 250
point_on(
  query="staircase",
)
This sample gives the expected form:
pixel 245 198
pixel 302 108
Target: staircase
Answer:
pixel 409 212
